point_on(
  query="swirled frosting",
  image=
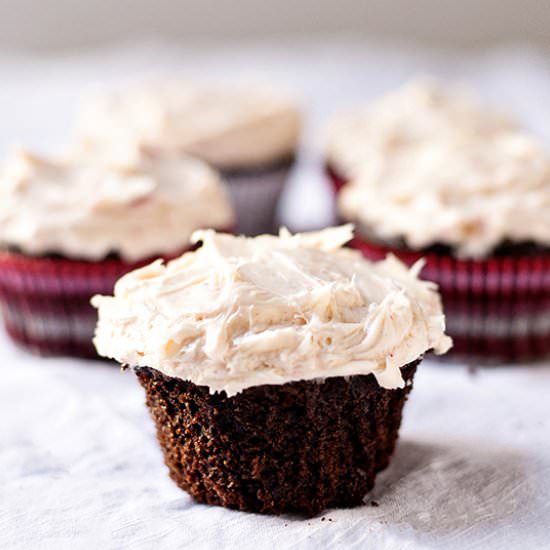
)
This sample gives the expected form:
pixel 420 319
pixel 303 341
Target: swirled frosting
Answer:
pixel 241 312
pixel 423 110
pixel 469 194
pixel 140 206
pixel 228 128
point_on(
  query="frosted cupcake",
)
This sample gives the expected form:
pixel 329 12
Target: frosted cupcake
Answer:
pixel 423 110
pixel 275 368
pixel 70 228
pixel 249 135
pixel 478 210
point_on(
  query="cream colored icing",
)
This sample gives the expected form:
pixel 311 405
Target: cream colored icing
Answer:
pixel 471 195
pixel 242 312
pixel 228 128
pixel 139 206
pixel 423 110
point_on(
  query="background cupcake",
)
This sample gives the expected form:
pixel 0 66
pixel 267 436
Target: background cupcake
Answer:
pixel 476 205
pixel 70 228
pixel 276 369
pixel 249 135
pixel 421 111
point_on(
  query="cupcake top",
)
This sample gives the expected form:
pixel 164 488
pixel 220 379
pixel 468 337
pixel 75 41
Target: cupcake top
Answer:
pixel 228 128
pixel 422 110
pixel 472 196
pixel 241 312
pixel 140 206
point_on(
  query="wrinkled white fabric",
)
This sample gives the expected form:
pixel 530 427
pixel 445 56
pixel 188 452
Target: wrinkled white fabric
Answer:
pixel 80 467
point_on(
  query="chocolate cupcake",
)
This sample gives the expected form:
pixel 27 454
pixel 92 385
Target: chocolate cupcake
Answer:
pixel 249 135
pixel 275 368
pixel 421 111
pixel 69 228
pixel 476 206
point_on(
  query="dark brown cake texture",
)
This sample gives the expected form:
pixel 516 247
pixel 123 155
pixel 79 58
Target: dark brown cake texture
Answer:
pixel 300 447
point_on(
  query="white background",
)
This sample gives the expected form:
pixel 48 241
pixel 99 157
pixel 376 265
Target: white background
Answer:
pixel 68 24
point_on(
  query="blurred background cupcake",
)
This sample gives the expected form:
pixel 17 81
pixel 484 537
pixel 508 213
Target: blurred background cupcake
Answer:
pixel 249 134
pixel 471 195
pixel 421 111
pixel 69 228
pixel 275 368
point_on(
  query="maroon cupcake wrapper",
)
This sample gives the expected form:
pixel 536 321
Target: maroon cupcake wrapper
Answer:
pixel 255 196
pixel 497 309
pixel 45 301
pixel 337 181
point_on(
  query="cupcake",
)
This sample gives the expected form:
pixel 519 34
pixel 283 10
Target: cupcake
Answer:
pixel 421 111
pixel 69 228
pixel 249 135
pixel 477 208
pixel 275 368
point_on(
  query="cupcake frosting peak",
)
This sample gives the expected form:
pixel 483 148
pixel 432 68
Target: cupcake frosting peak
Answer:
pixel 424 109
pixel 229 127
pixel 471 196
pixel 241 312
pixel 137 206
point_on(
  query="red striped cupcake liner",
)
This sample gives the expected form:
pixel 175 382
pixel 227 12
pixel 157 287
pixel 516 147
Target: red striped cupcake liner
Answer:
pixel 336 180
pixel 45 301
pixel 497 309
pixel 255 195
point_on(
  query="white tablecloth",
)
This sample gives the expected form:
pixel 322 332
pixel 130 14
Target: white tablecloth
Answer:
pixel 79 464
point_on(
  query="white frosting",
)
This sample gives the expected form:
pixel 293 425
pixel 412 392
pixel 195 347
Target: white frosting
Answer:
pixel 422 110
pixel 137 207
pixel 469 194
pixel 229 128
pixel 241 312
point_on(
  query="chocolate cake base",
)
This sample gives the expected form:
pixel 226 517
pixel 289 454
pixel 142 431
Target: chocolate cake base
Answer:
pixel 300 447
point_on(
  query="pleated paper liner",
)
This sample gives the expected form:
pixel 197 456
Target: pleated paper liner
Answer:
pixel 255 195
pixel 337 181
pixel 497 309
pixel 45 301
